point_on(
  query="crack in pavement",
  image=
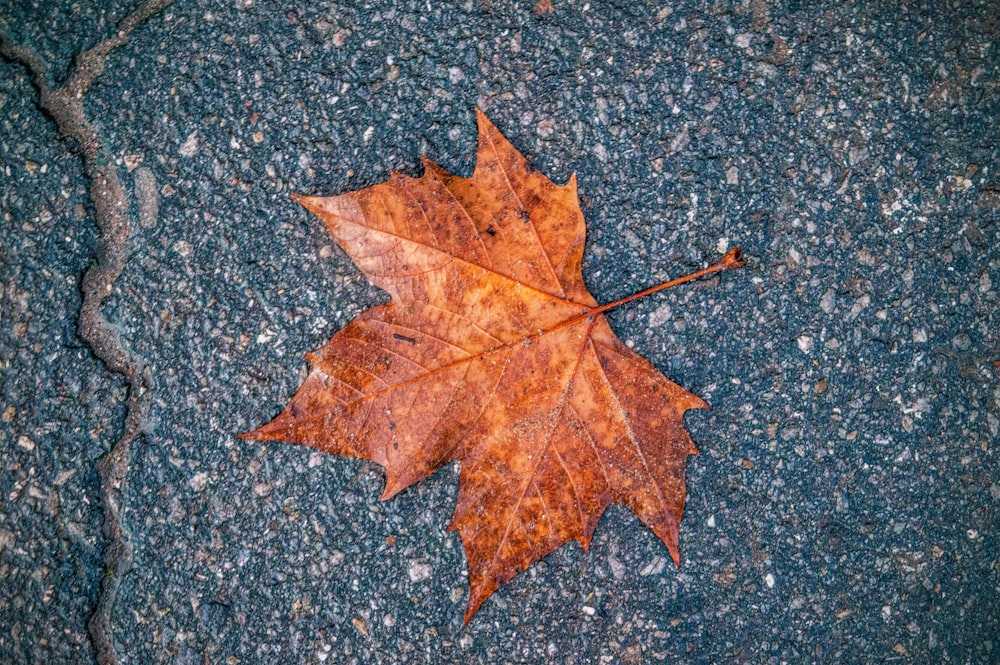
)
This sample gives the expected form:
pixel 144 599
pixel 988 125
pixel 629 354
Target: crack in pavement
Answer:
pixel 65 106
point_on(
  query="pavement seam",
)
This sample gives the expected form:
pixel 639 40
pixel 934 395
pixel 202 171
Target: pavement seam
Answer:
pixel 64 105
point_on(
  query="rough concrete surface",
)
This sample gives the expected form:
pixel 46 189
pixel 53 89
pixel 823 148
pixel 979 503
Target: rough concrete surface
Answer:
pixel 844 507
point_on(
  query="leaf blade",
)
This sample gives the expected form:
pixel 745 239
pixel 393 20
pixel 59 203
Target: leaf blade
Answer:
pixel 492 353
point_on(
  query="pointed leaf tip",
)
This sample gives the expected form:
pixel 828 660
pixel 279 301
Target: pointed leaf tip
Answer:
pixel 310 203
pixel 483 123
pixel 276 430
pixel 475 602
pixel 258 434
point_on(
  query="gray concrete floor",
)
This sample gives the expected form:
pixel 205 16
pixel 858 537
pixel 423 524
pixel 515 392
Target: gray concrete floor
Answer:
pixel 844 507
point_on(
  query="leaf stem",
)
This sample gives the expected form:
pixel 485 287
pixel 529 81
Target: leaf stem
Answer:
pixel 732 259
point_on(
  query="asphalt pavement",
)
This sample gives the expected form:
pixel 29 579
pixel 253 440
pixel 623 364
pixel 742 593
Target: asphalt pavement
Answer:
pixel 844 506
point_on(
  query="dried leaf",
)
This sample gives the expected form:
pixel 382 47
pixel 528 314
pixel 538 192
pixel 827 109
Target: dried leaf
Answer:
pixel 492 353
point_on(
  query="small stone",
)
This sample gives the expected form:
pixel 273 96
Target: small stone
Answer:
pixel 972 232
pixel 419 571
pixel 859 306
pixel 64 476
pixel 543 7
pixel 26 443
pixel 617 567
pixel 198 481
pixel 654 567
pixel 680 141
pixel 732 176
pixel 147 197
pixel 829 301
pixel 805 343
pixel 132 161
pixel 7 539
pixel 962 342
pixel 184 248
pixel 769 580
pixel 190 146
pixel 659 316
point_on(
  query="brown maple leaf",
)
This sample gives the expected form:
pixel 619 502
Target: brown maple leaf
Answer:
pixel 492 353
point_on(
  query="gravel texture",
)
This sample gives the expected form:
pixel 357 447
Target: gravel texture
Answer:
pixel 844 507
pixel 58 408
